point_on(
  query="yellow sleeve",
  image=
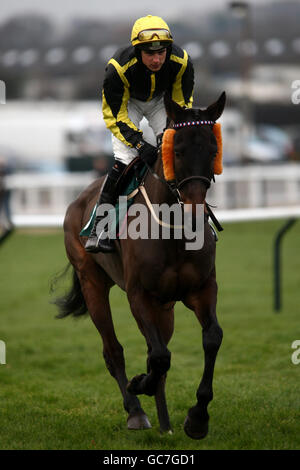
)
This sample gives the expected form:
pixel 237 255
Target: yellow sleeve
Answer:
pixel 182 91
pixel 115 96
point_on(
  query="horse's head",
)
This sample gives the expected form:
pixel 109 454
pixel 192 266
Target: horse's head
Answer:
pixel 194 147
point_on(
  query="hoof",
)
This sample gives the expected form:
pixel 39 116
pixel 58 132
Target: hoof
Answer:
pixel 138 421
pixel 197 430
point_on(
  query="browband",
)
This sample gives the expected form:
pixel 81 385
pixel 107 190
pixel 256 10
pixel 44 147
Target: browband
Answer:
pixel 191 123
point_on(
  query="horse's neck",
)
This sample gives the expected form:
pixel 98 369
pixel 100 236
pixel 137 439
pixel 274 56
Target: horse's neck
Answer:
pixel 157 188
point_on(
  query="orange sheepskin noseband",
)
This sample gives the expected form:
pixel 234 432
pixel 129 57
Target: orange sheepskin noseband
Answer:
pixel 168 152
pixel 218 163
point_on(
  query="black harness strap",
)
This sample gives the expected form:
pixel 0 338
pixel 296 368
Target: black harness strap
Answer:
pixel 214 219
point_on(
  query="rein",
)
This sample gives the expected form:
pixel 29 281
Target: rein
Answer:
pixel 171 185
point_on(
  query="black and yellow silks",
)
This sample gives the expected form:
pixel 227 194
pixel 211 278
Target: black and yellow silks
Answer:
pixel 127 77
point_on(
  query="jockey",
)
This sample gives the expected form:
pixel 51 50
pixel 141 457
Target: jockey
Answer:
pixel 134 84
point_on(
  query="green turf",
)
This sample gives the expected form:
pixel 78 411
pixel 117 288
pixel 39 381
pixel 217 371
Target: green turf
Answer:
pixel 55 392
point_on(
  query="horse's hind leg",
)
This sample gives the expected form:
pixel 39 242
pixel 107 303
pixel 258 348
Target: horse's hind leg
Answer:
pixel 204 305
pixel 161 406
pixel 95 287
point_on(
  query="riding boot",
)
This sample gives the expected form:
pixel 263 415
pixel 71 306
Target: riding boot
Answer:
pixel 95 242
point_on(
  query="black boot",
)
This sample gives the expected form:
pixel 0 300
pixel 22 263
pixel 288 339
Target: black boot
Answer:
pixel 95 243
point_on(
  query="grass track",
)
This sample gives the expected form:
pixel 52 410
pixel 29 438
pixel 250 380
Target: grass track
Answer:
pixel 55 392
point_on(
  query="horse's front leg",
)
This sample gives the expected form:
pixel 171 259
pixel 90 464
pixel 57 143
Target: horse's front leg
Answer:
pixel 160 401
pixel 204 305
pixel 156 323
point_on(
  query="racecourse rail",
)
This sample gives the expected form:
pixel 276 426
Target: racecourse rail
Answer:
pixel 247 187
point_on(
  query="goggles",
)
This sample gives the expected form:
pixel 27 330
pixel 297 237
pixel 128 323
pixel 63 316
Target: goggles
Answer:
pixel 154 35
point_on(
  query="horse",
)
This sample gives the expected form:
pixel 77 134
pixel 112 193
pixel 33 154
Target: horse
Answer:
pixel 154 273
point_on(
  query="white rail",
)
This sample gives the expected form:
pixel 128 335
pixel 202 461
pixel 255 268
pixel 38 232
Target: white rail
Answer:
pixel 248 187
pixel 257 186
pixel 262 213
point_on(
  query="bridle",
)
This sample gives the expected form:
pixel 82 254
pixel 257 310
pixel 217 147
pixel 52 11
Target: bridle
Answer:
pixel 174 185
pixel 205 180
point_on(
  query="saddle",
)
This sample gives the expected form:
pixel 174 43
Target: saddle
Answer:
pixel 130 180
pixel 135 170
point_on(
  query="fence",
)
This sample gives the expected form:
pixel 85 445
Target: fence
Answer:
pixel 43 194
pixel 257 186
pixel 237 188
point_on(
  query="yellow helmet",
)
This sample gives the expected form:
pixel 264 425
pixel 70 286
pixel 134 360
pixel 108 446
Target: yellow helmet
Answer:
pixel 151 31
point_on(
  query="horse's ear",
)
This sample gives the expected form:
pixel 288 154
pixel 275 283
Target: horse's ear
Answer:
pixel 216 109
pixel 174 111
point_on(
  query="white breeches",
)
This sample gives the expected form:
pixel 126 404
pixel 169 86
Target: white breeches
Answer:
pixel 155 113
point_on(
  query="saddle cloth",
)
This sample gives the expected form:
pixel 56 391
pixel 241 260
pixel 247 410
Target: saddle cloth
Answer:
pixel 132 181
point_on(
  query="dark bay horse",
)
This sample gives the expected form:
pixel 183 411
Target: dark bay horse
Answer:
pixel 155 273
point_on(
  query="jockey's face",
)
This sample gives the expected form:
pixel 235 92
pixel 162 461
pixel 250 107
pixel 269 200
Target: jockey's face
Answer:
pixel 154 60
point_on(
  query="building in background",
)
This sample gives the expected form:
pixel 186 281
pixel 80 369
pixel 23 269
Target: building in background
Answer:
pixel 54 72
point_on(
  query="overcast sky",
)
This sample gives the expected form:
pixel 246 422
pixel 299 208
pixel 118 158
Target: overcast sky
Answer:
pixel 111 10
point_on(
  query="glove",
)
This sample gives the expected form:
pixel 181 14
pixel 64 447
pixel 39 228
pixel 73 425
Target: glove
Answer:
pixel 147 152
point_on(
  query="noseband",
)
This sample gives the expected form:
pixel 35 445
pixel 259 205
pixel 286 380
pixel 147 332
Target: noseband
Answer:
pixel 175 187
pixel 204 180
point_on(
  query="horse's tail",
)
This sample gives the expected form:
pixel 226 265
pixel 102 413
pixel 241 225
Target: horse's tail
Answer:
pixel 72 302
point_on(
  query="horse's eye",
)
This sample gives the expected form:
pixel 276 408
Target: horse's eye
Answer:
pixel 177 154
